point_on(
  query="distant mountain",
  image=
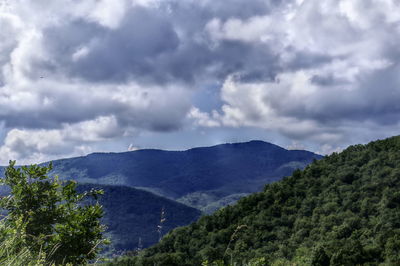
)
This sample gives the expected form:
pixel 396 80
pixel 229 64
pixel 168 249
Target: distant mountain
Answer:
pixel 131 214
pixel 197 177
pixel 341 210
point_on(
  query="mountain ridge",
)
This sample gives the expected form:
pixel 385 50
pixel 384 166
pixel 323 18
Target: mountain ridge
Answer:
pixel 341 210
pixel 216 172
pixel 177 150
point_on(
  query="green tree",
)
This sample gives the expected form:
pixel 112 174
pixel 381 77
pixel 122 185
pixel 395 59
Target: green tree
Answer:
pixel 392 249
pixel 59 222
pixel 319 257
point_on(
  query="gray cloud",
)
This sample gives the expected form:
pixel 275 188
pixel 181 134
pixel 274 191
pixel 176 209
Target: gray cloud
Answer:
pixel 131 51
pixel 302 69
pixel 151 46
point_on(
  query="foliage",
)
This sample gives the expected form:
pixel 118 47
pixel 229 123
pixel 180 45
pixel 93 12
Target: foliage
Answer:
pixel 56 220
pixel 341 210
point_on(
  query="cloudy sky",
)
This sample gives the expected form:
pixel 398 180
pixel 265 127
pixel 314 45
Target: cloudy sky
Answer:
pixel 106 75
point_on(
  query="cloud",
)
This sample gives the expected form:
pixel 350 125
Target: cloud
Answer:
pixel 88 51
pixel 320 72
pixel 338 67
pixel 71 139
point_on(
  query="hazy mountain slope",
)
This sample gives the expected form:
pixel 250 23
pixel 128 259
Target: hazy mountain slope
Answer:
pixel 341 210
pixel 131 214
pixel 220 170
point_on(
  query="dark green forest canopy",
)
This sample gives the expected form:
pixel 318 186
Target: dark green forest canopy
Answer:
pixel 341 210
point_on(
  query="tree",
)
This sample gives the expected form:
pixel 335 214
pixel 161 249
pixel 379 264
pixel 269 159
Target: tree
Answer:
pixel 57 220
pixel 319 257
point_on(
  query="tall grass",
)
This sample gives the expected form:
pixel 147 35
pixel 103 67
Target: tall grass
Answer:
pixel 13 251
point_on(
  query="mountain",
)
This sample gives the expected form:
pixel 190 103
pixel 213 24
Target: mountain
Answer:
pixel 130 214
pixel 205 178
pixel 341 210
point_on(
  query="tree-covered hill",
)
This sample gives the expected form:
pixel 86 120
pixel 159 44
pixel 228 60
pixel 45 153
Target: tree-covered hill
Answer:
pixel 132 214
pixel 341 210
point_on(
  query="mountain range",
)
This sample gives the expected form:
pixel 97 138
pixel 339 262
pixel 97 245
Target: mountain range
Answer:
pixel 198 177
pixel 138 184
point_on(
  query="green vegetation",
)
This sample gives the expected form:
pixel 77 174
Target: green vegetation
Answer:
pixel 47 221
pixel 13 247
pixel 341 210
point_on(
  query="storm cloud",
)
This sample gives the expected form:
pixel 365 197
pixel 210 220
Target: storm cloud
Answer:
pixel 75 75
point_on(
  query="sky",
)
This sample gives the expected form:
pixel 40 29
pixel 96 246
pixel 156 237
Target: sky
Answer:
pixel 102 75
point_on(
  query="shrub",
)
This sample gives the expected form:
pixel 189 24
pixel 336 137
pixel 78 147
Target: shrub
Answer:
pixel 57 221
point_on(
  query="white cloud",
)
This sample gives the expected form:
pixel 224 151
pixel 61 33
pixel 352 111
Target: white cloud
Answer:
pixel 37 145
pixel 31 146
pixel 81 52
pixel 101 128
pixel 312 98
pixel 203 119
pixel 109 13
pixel 254 29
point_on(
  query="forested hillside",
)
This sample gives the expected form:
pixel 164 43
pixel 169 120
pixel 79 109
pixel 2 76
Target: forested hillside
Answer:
pixel 341 210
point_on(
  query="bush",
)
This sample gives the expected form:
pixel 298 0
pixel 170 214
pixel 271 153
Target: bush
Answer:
pixel 56 220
